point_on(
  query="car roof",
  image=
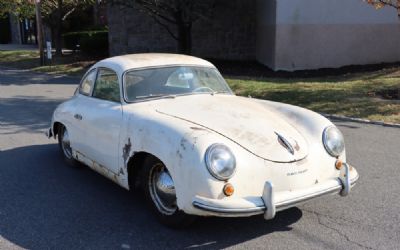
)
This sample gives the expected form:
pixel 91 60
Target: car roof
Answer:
pixel 149 60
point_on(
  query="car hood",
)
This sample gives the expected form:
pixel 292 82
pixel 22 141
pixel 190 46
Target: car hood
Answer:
pixel 259 130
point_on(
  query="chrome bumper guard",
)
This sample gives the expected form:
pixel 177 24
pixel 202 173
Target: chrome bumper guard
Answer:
pixel 270 206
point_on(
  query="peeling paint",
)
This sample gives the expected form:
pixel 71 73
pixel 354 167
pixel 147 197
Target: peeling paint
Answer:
pixel 97 167
pixel 179 154
pixel 127 150
pixel 194 142
pixel 183 142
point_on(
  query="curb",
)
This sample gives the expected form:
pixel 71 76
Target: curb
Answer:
pixel 359 120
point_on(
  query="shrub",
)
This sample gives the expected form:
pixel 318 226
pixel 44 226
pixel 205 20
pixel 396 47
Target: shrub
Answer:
pixel 92 43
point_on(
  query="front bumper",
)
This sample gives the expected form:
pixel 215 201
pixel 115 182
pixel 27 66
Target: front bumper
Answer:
pixel 272 202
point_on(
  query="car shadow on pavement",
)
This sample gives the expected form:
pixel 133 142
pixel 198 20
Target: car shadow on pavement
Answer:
pixel 45 204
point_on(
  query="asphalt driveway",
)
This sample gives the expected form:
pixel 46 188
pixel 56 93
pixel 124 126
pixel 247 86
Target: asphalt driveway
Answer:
pixel 44 204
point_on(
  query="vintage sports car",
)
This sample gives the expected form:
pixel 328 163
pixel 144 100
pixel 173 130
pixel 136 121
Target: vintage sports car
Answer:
pixel 170 126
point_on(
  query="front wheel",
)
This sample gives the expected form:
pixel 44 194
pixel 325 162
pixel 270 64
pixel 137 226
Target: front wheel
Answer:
pixel 159 190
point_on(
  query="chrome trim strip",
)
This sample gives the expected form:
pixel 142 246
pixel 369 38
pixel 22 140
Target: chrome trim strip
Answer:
pixel 202 206
pixel 279 206
pixel 285 143
pixel 289 203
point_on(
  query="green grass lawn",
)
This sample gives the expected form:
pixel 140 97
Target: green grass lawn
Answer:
pixel 22 59
pixel 355 94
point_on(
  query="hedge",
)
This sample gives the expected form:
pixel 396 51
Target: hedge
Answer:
pixel 92 43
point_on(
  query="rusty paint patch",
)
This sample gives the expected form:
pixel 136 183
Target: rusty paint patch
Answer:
pixel 183 142
pixel 127 150
pixel 178 153
pixel 194 142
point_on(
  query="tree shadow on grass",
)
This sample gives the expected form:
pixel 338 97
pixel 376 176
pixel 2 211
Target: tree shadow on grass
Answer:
pixel 47 205
pixel 256 71
pixel 354 103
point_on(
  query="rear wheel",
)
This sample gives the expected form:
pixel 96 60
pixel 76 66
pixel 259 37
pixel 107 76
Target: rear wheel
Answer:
pixel 65 146
pixel 159 190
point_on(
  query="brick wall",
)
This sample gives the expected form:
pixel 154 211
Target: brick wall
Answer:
pixel 229 34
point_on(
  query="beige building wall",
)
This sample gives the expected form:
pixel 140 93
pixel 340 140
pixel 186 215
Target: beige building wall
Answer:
pixel 313 34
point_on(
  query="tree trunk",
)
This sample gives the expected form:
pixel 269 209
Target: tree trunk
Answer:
pixel 58 29
pixel 58 40
pixel 96 13
pixel 52 32
pixel 185 38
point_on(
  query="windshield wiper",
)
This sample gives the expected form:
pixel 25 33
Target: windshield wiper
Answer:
pixel 155 96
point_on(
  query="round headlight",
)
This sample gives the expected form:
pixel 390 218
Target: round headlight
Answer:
pixel 333 141
pixel 220 161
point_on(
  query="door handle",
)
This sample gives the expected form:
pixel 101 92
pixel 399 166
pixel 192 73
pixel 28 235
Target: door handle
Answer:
pixel 78 116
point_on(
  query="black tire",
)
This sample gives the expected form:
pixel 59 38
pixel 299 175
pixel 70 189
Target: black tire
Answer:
pixel 163 204
pixel 65 148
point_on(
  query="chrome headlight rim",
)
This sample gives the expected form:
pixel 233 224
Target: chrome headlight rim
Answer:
pixel 325 139
pixel 208 157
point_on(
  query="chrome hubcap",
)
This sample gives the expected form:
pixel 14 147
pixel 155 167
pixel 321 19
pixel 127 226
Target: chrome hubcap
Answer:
pixel 66 145
pixel 162 190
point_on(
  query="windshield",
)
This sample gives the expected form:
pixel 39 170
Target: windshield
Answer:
pixel 171 81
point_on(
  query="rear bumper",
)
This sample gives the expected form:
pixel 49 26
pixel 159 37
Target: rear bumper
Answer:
pixel 48 133
pixel 271 201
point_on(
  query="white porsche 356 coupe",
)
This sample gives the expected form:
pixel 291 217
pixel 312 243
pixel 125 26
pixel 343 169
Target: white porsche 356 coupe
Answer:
pixel 171 125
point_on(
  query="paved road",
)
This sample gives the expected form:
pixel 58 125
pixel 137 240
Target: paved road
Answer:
pixel 44 204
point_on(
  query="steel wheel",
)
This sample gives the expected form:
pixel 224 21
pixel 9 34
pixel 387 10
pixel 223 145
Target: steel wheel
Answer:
pixel 160 193
pixel 66 144
pixel 162 189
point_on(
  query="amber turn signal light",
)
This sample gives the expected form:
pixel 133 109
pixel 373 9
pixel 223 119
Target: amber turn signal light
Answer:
pixel 228 189
pixel 338 164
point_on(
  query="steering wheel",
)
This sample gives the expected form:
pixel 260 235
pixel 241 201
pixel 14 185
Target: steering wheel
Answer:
pixel 202 89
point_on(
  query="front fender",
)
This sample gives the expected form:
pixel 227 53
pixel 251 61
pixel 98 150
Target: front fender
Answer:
pixel 181 146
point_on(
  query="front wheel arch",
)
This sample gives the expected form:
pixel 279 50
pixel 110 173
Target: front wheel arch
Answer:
pixel 159 197
pixel 135 165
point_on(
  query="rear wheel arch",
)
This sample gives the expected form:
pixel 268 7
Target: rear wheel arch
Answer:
pixel 64 145
pixel 56 128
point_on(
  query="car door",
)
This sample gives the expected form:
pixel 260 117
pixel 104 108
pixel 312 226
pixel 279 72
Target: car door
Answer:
pixel 84 91
pixel 100 117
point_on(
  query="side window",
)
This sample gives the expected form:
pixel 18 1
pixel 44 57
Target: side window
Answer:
pixel 87 83
pixel 107 86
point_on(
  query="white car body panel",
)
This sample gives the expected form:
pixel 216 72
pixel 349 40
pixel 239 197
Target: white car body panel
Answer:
pixel 244 121
pixel 99 132
pixel 179 130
